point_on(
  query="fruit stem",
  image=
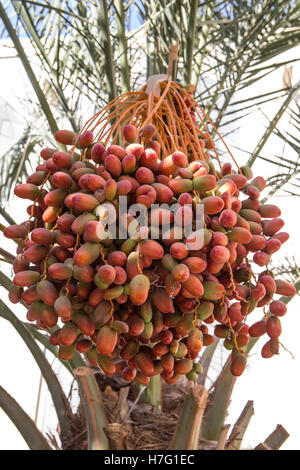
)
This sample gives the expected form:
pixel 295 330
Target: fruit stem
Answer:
pixel 152 394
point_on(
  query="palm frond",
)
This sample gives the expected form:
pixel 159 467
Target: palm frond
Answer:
pixel 17 161
pixel 88 53
pixel 32 436
pixel 287 164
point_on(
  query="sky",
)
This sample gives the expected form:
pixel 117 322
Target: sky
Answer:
pixel 273 384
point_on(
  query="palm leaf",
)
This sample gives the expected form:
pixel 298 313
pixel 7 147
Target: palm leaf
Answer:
pixel 31 75
pixel 94 411
pixel 89 55
pixel 89 391
pixel 218 404
pixel 275 440
pixel 238 431
pixel 44 340
pixel 222 390
pixel 16 162
pixel 59 399
pixel 31 435
pixel 7 216
pixel 273 124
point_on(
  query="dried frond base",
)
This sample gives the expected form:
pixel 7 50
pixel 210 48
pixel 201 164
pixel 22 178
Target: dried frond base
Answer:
pixel 135 426
pixel 155 431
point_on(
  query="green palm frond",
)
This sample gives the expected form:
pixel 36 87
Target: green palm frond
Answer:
pixel 285 178
pixel 289 269
pixel 89 51
pixel 60 401
pixel 32 436
pixel 78 55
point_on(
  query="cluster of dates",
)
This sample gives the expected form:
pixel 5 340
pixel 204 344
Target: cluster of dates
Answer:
pixel 146 305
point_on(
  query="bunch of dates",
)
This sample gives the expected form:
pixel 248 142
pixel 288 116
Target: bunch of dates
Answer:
pixel 147 302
